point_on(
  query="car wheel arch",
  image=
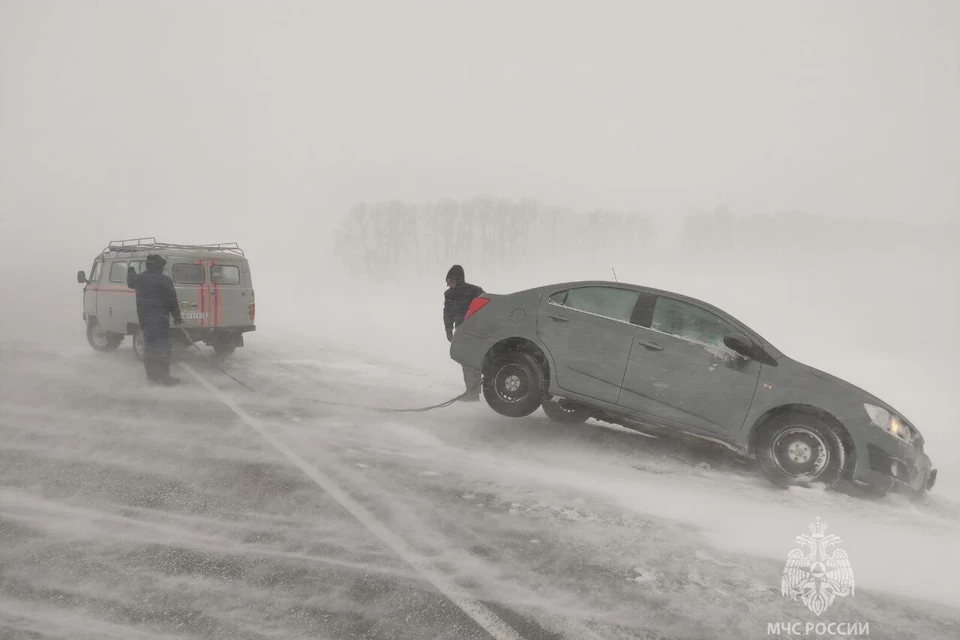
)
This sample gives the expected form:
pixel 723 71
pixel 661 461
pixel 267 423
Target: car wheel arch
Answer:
pixel 520 344
pixel 772 414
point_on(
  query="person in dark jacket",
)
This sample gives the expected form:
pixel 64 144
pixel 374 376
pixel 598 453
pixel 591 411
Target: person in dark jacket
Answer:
pixel 156 302
pixel 456 301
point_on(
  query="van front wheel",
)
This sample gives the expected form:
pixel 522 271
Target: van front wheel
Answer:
pixel 101 339
pixel 138 344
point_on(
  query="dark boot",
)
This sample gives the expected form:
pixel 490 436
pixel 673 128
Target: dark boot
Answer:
pixel 471 380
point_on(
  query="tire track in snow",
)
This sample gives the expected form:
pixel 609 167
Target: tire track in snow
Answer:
pixel 477 612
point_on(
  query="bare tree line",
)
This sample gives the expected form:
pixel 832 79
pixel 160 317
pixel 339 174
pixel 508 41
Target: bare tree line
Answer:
pixel 395 239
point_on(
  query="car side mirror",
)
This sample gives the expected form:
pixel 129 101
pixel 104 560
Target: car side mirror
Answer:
pixel 741 344
pixel 81 277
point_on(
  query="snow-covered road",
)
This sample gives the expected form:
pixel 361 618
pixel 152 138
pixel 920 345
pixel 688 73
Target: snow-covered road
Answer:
pixel 207 511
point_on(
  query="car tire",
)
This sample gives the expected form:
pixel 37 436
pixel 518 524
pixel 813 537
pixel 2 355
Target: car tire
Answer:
pixel 800 450
pixel 101 339
pixel 565 412
pixel 138 345
pixel 514 383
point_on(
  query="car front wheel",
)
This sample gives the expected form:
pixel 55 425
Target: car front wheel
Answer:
pixel 514 383
pixel 801 450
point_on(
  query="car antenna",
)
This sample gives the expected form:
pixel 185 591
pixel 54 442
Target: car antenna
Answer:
pixel 614 275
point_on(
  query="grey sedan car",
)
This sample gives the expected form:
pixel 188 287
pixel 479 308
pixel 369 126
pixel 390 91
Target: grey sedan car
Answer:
pixel 650 359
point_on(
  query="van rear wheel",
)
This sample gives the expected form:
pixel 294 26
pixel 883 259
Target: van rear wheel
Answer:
pixel 101 339
pixel 223 350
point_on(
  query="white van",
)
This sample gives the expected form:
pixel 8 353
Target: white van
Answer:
pixel 213 285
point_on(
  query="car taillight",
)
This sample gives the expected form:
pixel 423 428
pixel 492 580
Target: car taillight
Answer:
pixel 475 305
pixel 252 311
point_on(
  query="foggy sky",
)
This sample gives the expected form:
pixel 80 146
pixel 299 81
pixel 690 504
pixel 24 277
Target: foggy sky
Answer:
pixel 217 116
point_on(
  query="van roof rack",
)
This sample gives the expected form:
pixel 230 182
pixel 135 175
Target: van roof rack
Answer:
pixel 151 244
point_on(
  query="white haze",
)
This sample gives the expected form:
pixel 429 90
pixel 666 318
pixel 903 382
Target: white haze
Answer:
pixel 265 122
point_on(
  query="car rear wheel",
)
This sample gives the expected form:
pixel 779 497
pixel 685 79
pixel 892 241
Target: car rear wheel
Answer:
pixel 101 339
pixel 801 450
pixel 564 411
pixel 514 383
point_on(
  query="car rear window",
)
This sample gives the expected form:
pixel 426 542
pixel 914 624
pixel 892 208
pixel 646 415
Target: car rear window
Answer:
pixel 185 273
pixel 224 274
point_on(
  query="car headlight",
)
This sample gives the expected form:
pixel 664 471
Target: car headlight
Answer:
pixel 888 422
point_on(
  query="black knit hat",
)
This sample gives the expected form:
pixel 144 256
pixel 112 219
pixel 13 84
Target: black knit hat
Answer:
pixel 156 261
pixel 456 274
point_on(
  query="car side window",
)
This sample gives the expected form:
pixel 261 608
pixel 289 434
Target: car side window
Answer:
pixel 95 272
pixel 118 272
pixel 560 297
pixel 689 322
pixel 608 302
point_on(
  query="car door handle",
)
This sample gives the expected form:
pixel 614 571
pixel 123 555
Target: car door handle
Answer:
pixel 650 345
pixel 559 318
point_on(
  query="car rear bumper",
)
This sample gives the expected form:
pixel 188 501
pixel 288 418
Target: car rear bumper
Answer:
pixel 469 349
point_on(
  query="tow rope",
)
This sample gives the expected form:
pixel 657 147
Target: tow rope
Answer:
pixel 333 403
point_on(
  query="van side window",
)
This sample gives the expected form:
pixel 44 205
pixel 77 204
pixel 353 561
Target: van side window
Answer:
pixel 185 273
pixel 118 272
pixel 95 272
pixel 224 274
pixel 137 266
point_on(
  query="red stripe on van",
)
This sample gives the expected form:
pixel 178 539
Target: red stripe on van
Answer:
pixel 216 294
pixel 200 299
pixel 117 290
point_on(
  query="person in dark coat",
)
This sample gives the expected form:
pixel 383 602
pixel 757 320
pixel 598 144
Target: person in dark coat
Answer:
pixel 156 302
pixel 456 301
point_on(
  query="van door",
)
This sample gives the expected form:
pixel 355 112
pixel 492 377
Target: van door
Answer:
pixel 190 282
pixel 116 302
pixel 231 293
pixel 91 289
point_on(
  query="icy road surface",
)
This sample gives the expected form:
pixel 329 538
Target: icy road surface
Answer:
pixel 206 511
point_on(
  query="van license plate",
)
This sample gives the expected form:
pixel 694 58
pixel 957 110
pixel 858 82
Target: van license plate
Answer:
pixel 195 315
